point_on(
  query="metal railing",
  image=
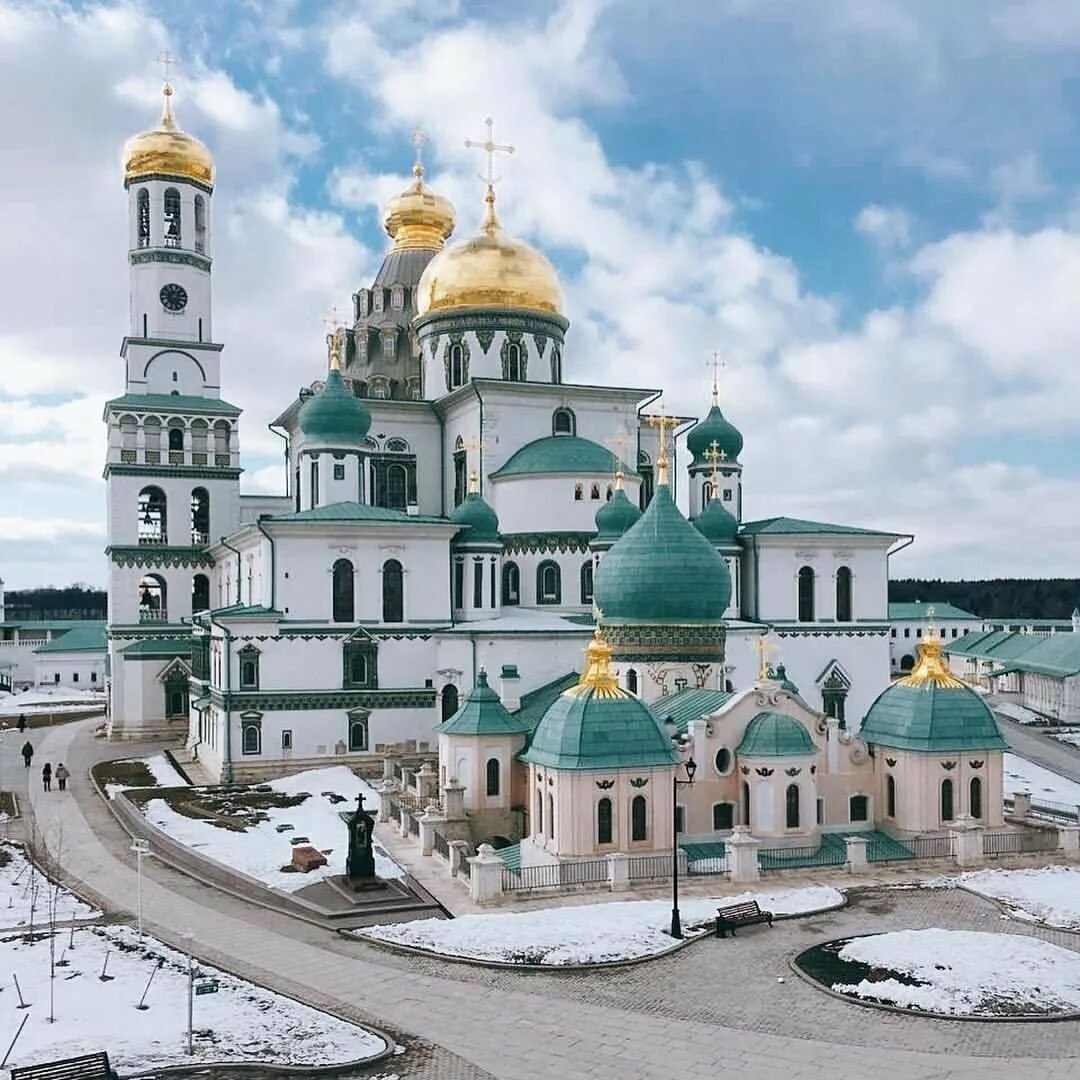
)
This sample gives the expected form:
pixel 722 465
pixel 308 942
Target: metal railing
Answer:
pixel 1054 811
pixel 1020 843
pixel 785 858
pixel 642 867
pixel 556 875
pixel 153 615
pixel 395 811
pixel 442 846
pixel 414 826
pixel 715 865
pixel 931 847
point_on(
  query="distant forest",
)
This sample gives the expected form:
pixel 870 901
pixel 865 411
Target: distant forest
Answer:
pixel 999 598
pixel 74 602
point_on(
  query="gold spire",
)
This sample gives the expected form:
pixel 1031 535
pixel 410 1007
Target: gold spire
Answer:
pixel 618 480
pixel 166 150
pixel 665 423
pixel 335 340
pixel 932 666
pixel 474 483
pixel 763 651
pixel 598 678
pixel 716 363
pixel 418 218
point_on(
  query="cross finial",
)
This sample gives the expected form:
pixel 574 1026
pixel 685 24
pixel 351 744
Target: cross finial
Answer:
pixel 763 651
pixel 619 443
pixel 716 363
pixel 665 424
pixel 714 455
pixel 491 148
pixel 335 338
pixel 418 138
pixel 167 61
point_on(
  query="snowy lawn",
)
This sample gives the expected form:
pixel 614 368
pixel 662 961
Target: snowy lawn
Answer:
pixel 27 897
pixel 961 973
pixel 261 850
pixel 585 934
pixel 1050 895
pixel 240 1022
pixel 1044 785
pixel 1071 737
pixel 47 699
pixel 156 768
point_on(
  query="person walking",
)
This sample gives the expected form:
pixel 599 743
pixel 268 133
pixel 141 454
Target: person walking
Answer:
pixel 28 752
pixel 62 775
pixel 22 722
pixel 46 776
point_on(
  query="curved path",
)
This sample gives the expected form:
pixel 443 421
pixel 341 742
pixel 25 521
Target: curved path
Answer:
pixel 719 1006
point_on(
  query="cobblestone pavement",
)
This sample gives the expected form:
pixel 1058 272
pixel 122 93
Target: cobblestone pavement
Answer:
pixel 715 1007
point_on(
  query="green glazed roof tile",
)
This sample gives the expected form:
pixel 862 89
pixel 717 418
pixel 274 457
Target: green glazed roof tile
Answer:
pixel 689 705
pixel 537 702
pixel 354 511
pixel 561 454
pixel 772 734
pixel 482 713
pixel 166 648
pixel 716 523
pixel 714 428
pixel 334 415
pixel 616 516
pixel 78 639
pixel 921 610
pixel 785 526
pixel 481 520
pixel 931 718
pixel 184 403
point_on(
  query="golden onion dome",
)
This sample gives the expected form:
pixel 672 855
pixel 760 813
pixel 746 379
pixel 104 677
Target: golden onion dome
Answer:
pixel 167 151
pixel 418 218
pixel 490 270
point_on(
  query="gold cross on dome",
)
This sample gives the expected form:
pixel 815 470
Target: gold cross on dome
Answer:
pixel 491 148
pixel 618 444
pixel 418 138
pixel 665 424
pixel 716 363
pixel 335 338
pixel 763 651
pixel 167 61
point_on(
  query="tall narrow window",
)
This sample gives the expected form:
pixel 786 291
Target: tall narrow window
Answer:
pixel 632 681
pixel 746 804
pixel 843 594
pixel 947 800
pixel 890 796
pixel 457 366
pixel 514 363
pixel 511 584
pixel 449 700
pixel 556 365
pixel 358 734
pixel 806 594
pixel 491 579
pixel 314 483
pixel 152 599
pixel 393 591
pixel 249 668
pixel 639 821
pixel 200 516
pixel 460 479
pixel 152 516
pixel 459 583
pixel 200 224
pixel 171 205
pixel 548 585
pixel 344 603
pixel 975 807
pixel 143 202
pixel 603 821
pixel 200 593
pixel 551 816
pixel 397 479
pixel 791 804
pixel 579 492
pixel 478 583
pixel 492 770
pixel 587 582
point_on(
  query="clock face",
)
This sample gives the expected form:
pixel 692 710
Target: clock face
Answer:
pixel 173 297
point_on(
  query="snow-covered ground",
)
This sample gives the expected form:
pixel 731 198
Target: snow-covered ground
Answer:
pixel 26 894
pixel 1050 895
pixel 1024 775
pixel 1017 713
pixel 48 699
pixel 584 934
pixel 966 973
pixel 261 850
pixel 240 1022
pixel 1070 736
pixel 159 767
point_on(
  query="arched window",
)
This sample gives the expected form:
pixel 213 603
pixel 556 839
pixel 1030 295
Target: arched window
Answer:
pixel 975 807
pixel 511 584
pixel 393 591
pixel 947 800
pixel 200 224
pixel 358 734
pixel 397 482
pixel 152 516
pixel 858 808
pixel 604 833
pixel 251 738
pixel 746 804
pixel 548 584
pixel 587 582
pixel 639 822
pixel 143 204
pixel 890 796
pixel 579 492
pixel 152 597
pixel 706 494
pixel 200 516
pixel 791 804
pixel 200 593
pixel 457 366
pixel 539 817
pixel 344 603
pixel 594 493
pixel 171 201
pixel 556 365
pixel 723 816
pixel 806 594
pixel 563 422
pixel 843 594
pixel 222 433
pixel 152 439
pixel 493 776
pixel 514 363
pixel 198 442
pixel 249 668
pixel 449 700
pixel 176 442
pixel 722 761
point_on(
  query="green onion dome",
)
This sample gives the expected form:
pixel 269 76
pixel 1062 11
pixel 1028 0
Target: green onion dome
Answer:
pixel 772 734
pixel 616 515
pixel 714 428
pixel 598 725
pixel 662 570
pixel 931 710
pixel 333 415
pixel 716 523
pixel 474 512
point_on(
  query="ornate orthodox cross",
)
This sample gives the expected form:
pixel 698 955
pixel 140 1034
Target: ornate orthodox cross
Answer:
pixel 665 424
pixel 491 148
pixel 716 363
pixel 418 138
pixel 715 456
pixel 335 338
pixel 167 61
pixel 763 651
pixel 618 444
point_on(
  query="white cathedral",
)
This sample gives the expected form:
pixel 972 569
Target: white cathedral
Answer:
pixel 455 504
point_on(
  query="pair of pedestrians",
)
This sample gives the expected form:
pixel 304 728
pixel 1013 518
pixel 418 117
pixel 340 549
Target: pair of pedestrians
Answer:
pixel 61 773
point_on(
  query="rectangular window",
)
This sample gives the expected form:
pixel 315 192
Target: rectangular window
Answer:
pixel 907 631
pixel 918 632
pixel 954 633
pixel 339 471
pixel 75 677
pixel 727 494
pixel 459 582
pixel 249 672
pixel 93 676
pixel 314 483
pixel 821 811
pixel 286 740
pixel 894 631
pixel 680 819
pixel 478 584
pixel 493 579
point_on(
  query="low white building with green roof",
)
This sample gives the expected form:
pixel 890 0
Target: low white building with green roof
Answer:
pixel 911 621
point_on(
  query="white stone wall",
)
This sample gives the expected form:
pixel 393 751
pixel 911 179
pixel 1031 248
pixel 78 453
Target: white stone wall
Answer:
pixel 81 670
pixel 906 634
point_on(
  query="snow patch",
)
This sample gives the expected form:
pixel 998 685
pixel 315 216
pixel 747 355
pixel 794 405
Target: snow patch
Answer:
pixel 28 898
pixel 1050 895
pixel 1044 785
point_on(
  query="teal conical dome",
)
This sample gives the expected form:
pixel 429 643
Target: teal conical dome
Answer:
pixel 333 415
pixel 616 515
pixel 715 427
pixel 662 571
pixel 717 524
pixel 482 521
pixel 482 713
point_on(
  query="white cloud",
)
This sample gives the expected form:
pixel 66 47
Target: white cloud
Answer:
pixel 889 227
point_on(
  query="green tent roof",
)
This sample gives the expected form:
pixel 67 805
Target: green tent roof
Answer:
pixel 589 729
pixel 921 610
pixel 334 415
pixel 785 526
pixel 163 648
pixel 772 734
pixel 561 454
pixel 662 570
pixel 537 702
pixel 482 713
pixel 689 705
pixel 179 403
pixel 931 718
pixel 78 639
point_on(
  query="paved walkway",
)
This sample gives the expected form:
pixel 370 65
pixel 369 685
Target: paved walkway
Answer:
pixel 1032 743
pixel 717 1006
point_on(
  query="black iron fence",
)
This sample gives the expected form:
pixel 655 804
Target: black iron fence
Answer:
pixel 442 846
pixel 555 875
pixel 1019 843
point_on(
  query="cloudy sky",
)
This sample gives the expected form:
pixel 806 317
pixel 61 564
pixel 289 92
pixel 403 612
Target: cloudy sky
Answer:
pixel 870 208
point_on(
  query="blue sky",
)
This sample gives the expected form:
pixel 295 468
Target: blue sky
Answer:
pixel 869 208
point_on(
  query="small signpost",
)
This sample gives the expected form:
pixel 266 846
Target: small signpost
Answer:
pixel 207 986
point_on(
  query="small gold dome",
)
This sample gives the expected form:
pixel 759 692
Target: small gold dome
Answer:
pixel 489 270
pixel 418 218
pixel 167 151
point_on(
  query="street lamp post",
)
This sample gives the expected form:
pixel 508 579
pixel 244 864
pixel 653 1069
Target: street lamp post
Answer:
pixel 680 743
pixel 141 847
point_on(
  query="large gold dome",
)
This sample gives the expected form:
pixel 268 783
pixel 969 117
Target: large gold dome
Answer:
pixel 489 270
pixel 167 151
pixel 418 218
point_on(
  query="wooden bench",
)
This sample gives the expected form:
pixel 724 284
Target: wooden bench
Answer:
pixel 728 918
pixel 85 1067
